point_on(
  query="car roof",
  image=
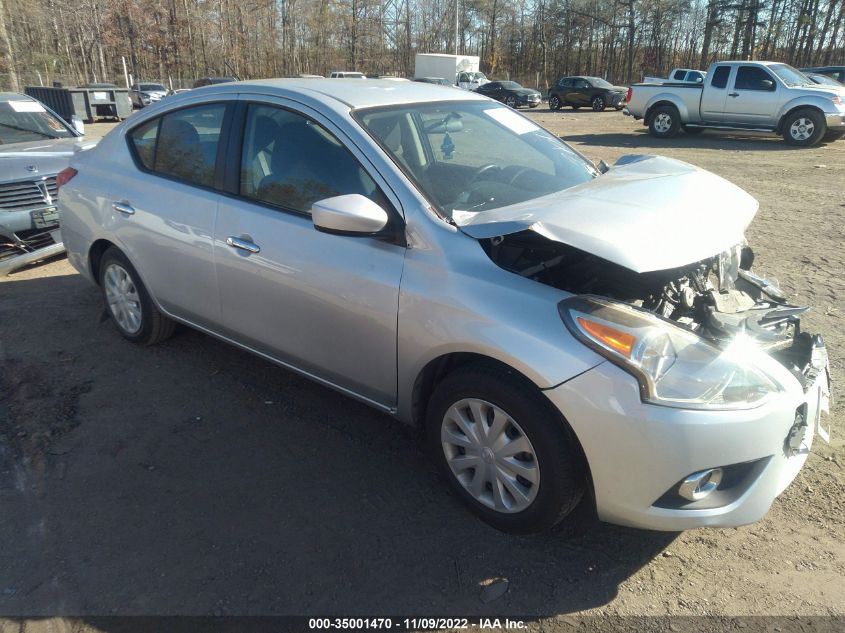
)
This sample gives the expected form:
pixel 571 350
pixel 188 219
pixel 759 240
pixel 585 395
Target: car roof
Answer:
pixel 373 92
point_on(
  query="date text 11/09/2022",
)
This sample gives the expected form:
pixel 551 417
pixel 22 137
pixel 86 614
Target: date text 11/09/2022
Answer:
pixel 414 624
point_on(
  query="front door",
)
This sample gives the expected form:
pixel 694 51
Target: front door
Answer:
pixel 754 99
pixel 324 304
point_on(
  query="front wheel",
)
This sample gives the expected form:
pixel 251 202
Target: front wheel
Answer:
pixel 804 128
pixel 554 103
pixel 506 452
pixel 129 304
pixel 664 122
pixel 598 104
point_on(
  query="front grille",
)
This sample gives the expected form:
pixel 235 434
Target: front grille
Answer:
pixel 27 194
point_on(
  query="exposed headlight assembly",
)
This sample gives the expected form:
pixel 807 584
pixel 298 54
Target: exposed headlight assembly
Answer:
pixel 674 367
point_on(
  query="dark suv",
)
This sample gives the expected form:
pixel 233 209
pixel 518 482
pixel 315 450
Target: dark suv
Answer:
pixel 593 92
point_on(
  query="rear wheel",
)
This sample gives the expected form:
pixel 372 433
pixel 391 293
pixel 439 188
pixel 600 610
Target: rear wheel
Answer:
pixel 804 128
pixel 504 449
pixel 554 103
pixel 664 122
pixel 510 101
pixel 129 304
pixel 598 103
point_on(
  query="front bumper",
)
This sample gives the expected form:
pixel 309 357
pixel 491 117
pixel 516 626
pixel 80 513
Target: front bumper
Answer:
pixel 532 101
pixel 638 452
pixel 28 236
pixel 835 120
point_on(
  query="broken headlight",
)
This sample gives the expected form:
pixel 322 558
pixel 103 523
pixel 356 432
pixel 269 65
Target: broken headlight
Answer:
pixel 673 366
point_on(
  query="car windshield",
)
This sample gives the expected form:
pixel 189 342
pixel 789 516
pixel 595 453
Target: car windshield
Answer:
pixel 474 156
pixel 157 87
pixel 789 75
pixel 25 120
pixel 598 82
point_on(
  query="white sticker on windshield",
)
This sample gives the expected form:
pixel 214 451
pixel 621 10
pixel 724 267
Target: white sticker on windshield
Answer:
pixel 512 120
pixel 26 106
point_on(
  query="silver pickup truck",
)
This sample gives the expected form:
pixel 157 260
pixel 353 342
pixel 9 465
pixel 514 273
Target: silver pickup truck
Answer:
pixel 757 96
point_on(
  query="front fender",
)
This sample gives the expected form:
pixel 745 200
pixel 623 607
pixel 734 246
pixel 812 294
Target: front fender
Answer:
pixel 824 105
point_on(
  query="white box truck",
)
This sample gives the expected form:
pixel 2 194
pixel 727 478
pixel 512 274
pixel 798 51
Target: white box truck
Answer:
pixel 459 70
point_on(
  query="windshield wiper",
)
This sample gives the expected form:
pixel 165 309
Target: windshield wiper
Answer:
pixel 23 129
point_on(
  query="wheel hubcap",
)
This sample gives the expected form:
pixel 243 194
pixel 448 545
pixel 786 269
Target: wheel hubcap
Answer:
pixel 662 122
pixel 802 129
pixel 122 298
pixel 490 455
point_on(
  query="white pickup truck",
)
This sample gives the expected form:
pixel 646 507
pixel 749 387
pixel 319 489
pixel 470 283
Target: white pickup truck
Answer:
pixel 756 96
pixel 680 75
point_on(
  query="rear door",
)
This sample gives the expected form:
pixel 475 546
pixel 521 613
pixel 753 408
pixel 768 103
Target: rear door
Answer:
pixel 164 206
pixel 714 94
pixel 754 98
pixel 324 304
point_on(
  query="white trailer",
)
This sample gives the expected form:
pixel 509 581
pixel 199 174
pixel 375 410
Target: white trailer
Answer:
pixel 459 70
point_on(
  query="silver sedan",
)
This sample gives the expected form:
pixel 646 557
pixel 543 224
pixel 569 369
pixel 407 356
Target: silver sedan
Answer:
pixel 560 330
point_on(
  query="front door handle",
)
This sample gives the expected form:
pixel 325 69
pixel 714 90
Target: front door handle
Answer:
pixel 733 94
pixel 123 207
pixel 244 245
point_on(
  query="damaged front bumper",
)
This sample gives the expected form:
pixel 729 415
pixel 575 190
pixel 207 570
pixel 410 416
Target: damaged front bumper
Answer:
pixel 640 454
pixel 28 236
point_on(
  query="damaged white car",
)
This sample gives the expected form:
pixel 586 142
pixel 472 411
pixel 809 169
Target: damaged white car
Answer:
pixel 560 331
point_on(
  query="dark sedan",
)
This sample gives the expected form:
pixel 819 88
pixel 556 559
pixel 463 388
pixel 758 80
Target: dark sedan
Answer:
pixel 583 92
pixel 510 93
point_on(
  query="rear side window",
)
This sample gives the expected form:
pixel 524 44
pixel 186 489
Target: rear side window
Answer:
pixel 679 75
pixel 181 144
pixel 753 78
pixel 143 138
pixel 720 77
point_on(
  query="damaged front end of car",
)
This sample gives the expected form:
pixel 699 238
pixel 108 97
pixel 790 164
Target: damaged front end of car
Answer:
pixel 697 332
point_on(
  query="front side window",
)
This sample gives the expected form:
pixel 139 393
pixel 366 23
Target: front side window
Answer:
pixel 720 77
pixel 474 156
pixel 290 161
pixel 181 144
pixel 753 78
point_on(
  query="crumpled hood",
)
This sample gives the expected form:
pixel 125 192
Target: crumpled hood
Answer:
pixel 47 156
pixel 646 213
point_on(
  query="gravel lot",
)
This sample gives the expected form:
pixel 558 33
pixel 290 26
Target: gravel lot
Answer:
pixel 193 478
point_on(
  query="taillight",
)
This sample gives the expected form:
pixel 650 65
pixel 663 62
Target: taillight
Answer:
pixel 64 176
pixel 628 96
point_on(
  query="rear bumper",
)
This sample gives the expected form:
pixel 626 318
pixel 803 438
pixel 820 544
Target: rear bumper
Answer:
pixel 638 453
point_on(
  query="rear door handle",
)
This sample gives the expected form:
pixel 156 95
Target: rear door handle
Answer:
pixel 123 207
pixel 733 94
pixel 244 245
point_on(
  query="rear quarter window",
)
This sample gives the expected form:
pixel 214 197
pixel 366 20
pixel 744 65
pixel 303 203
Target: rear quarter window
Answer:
pixel 143 139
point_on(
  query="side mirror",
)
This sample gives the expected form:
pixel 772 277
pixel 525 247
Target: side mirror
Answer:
pixel 767 84
pixel 699 80
pixel 352 214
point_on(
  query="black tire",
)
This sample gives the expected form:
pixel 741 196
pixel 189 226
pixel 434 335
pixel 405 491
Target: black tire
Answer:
pixel 510 101
pixel 693 130
pixel 598 103
pixel 554 103
pixel 559 459
pixel 664 121
pixel 154 326
pixel 804 128
pixel 833 136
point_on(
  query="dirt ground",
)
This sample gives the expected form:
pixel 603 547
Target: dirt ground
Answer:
pixel 193 478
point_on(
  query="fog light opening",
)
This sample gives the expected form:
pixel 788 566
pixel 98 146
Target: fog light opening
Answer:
pixel 699 485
